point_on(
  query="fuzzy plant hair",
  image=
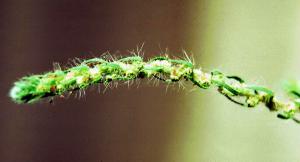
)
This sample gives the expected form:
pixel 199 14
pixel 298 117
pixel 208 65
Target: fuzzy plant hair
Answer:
pixel 32 88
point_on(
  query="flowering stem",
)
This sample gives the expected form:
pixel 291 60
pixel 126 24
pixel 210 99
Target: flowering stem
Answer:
pixel 97 70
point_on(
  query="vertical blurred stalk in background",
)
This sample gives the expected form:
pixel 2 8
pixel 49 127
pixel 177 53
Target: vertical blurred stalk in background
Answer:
pixel 258 40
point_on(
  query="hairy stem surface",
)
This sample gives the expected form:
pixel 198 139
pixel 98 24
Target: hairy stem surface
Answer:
pixel 97 70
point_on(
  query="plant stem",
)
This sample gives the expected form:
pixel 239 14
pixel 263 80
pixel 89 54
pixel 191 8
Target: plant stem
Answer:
pixel 92 71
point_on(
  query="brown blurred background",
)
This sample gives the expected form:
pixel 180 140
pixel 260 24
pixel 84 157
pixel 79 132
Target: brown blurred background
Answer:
pixel 124 124
pixel 256 39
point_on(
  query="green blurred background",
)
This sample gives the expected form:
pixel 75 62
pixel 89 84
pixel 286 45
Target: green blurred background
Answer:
pixel 257 40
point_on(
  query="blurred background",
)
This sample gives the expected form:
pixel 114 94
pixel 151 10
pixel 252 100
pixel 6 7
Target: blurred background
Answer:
pixel 258 40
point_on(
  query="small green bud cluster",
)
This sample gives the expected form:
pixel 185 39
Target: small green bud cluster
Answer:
pixel 97 70
pixel 32 88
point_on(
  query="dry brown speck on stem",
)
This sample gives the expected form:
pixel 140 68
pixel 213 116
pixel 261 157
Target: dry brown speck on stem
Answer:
pixel 32 88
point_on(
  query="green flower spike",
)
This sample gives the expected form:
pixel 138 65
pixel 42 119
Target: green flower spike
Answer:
pixel 32 88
